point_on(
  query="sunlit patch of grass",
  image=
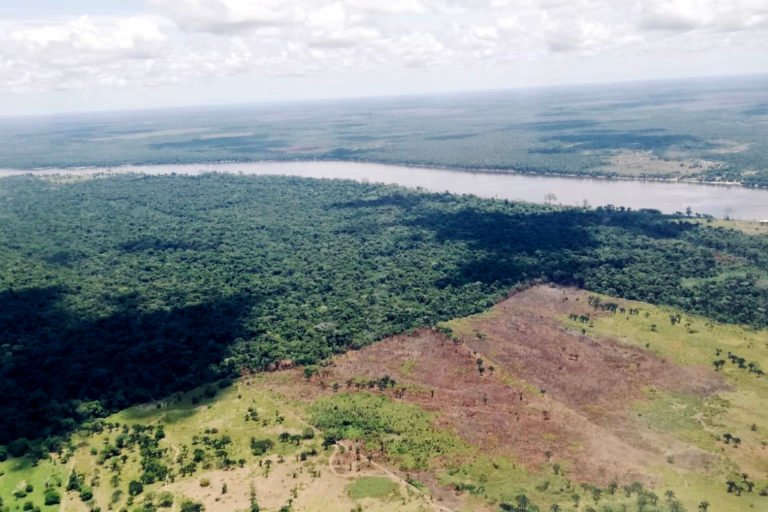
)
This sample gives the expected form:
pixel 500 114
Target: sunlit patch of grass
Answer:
pixel 373 487
pixel 688 417
pixel 405 431
pixel 466 326
pixel 694 488
pixel 18 474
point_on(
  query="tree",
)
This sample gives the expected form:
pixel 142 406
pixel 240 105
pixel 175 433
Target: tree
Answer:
pixel 135 488
pixel 733 487
pixel 704 506
pixel 261 446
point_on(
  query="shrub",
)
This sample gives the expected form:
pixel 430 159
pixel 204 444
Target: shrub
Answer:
pixel 261 446
pixel 165 499
pixel 86 493
pixel 52 497
pixel 191 506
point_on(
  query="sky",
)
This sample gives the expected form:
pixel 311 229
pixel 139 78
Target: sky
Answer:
pixel 91 55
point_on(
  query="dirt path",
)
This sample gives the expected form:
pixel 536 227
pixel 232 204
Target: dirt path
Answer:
pixel 70 467
pixel 429 498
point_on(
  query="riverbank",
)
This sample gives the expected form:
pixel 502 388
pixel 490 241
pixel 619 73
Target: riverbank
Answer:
pixel 717 200
pixel 454 168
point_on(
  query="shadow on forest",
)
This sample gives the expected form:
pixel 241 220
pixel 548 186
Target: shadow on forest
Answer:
pixel 520 243
pixel 554 245
pixel 62 363
pixel 510 247
pixel 407 200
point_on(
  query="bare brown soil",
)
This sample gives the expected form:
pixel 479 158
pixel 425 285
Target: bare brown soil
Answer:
pixel 515 382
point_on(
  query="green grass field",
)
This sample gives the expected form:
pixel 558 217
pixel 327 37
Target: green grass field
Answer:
pixel 373 487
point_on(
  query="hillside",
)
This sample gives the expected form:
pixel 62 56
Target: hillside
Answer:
pixel 555 397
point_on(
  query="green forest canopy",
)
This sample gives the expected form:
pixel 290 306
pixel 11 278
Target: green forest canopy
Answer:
pixel 123 289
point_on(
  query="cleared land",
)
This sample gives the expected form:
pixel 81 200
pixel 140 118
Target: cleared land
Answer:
pixel 556 396
pixel 545 379
pixel 745 226
pixel 646 164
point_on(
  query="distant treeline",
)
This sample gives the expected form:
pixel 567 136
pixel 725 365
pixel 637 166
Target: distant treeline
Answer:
pixel 119 290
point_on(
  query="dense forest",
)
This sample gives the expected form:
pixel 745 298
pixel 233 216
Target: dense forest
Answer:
pixel 117 290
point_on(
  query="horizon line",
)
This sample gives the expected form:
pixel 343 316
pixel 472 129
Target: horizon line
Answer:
pixel 384 97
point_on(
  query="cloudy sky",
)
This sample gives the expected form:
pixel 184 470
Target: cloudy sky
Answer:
pixel 79 55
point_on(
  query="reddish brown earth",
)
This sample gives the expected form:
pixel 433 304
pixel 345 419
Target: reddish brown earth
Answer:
pixel 545 393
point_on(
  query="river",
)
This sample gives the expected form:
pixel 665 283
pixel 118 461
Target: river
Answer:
pixel 717 200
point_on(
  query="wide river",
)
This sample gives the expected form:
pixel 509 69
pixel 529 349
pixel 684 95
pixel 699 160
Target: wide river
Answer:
pixel 733 201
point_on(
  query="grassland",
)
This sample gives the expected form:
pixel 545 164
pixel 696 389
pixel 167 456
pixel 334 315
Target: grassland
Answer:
pixel 745 226
pixel 555 399
pixel 215 427
pixel 373 487
pixel 738 411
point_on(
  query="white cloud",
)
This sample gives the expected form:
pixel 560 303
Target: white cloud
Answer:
pixel 227 16
pixel 389 7
pixel 173 41
pixel 83 51
pixel 716 15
